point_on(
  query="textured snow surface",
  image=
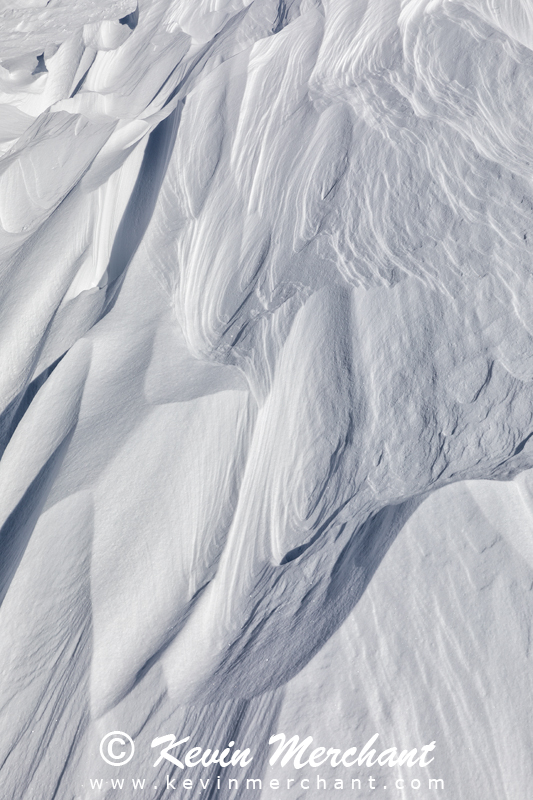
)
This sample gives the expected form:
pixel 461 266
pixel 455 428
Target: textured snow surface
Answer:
pixel 266 331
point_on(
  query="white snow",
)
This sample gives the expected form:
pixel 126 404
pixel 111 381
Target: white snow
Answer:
pixel 266 387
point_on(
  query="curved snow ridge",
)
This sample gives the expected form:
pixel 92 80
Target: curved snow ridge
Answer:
pixel 80 114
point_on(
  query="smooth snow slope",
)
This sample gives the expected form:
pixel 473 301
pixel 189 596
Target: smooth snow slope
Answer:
pixel 266 286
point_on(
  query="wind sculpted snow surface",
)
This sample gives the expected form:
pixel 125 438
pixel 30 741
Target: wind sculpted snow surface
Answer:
pixel 266 332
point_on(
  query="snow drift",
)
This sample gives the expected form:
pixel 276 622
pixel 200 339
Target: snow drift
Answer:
pixel 266 295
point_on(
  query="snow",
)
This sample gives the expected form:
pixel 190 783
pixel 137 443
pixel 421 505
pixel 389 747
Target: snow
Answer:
pixel 267 351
